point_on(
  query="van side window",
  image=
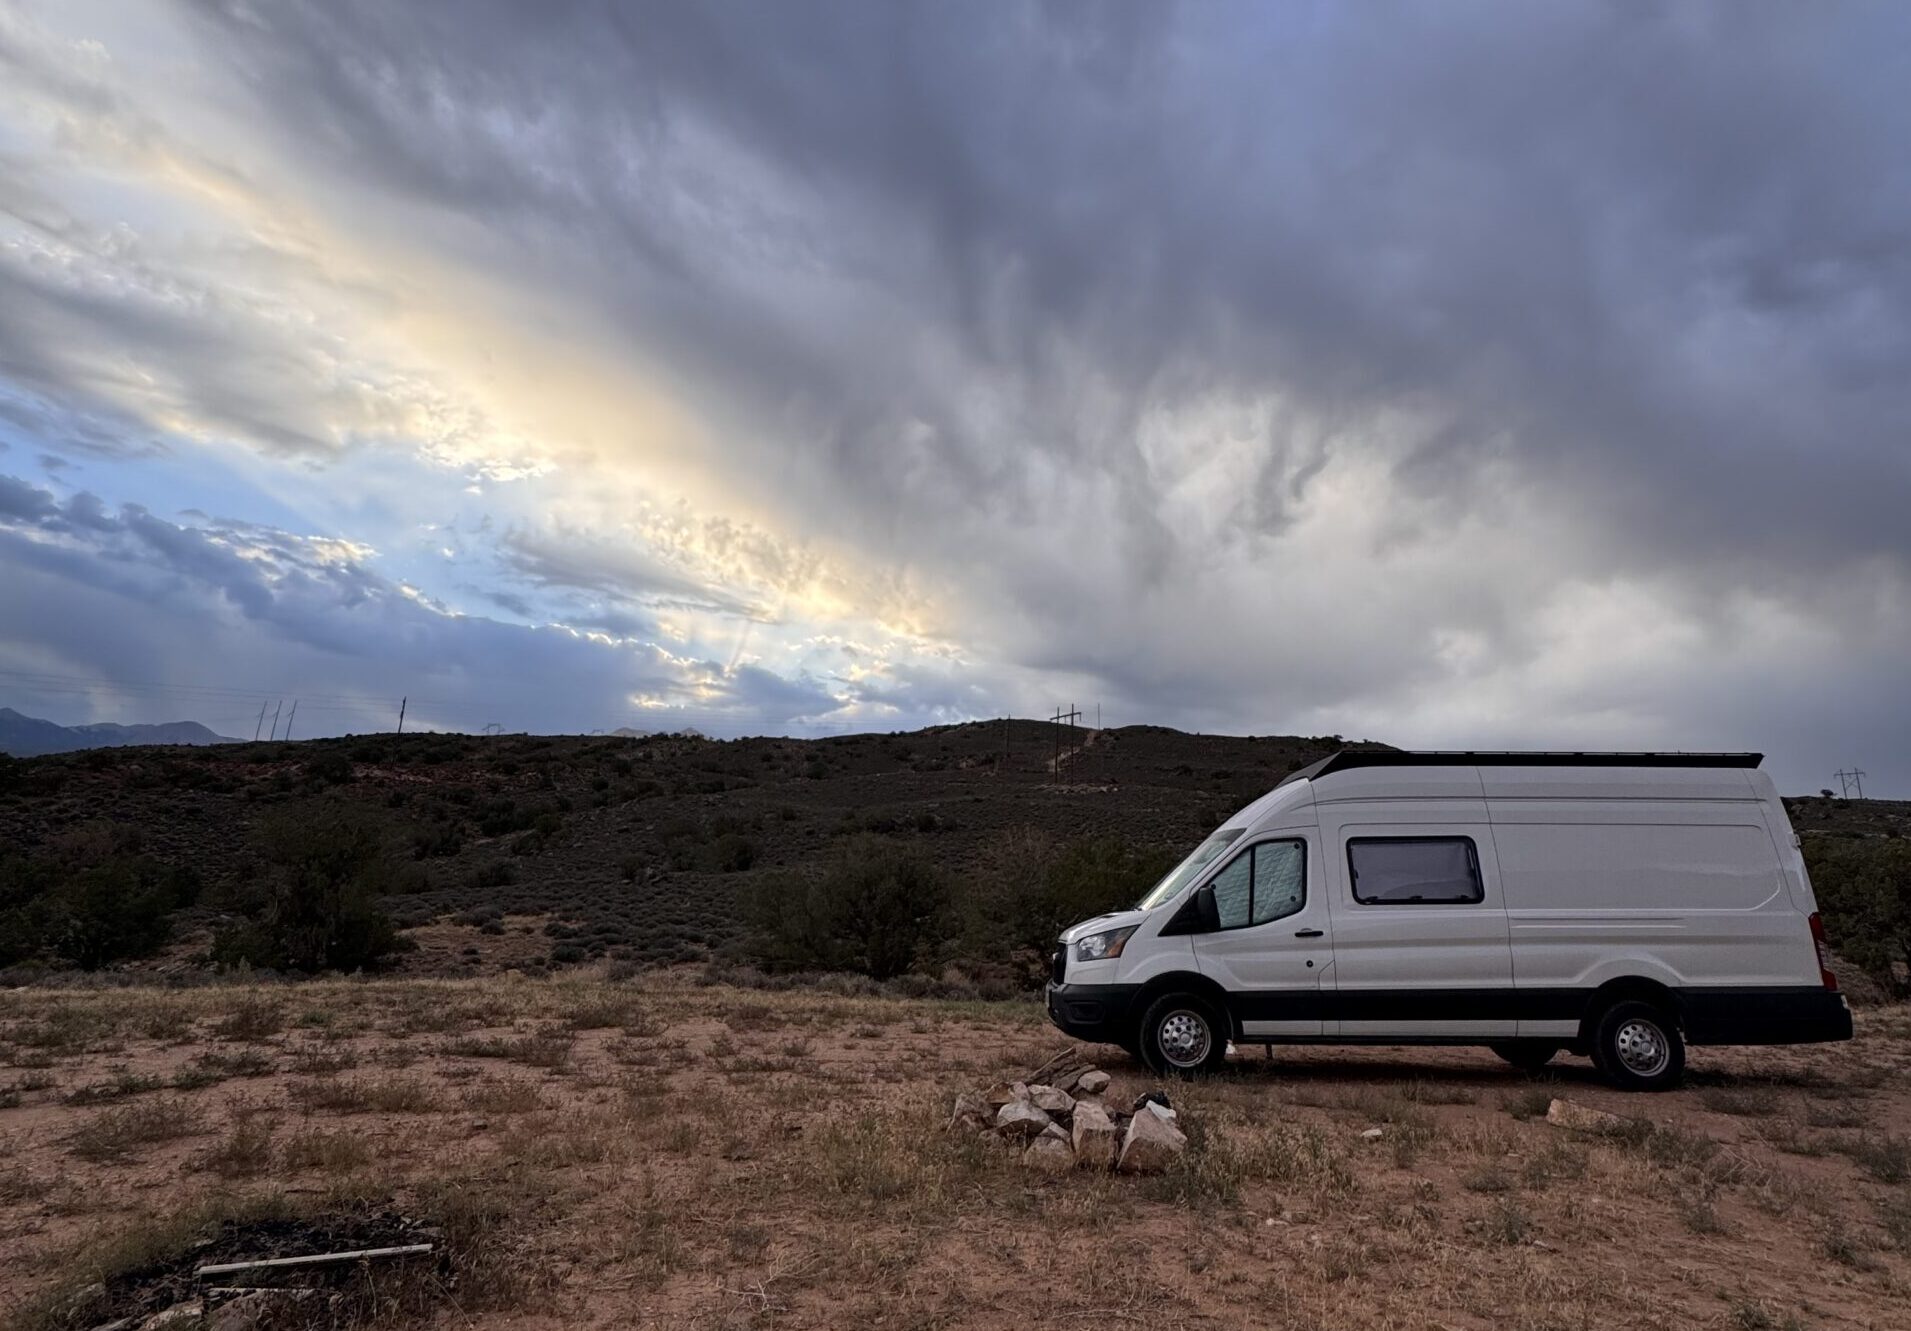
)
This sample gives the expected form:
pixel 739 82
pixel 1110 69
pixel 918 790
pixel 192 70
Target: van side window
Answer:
pixel 1414 870
pixel 1264 882
pixel 1233 890
pixel 1280 880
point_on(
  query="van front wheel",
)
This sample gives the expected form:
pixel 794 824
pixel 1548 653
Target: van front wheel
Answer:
pixel 1526 1055
pixel 1183 1035
pixel 1638 1047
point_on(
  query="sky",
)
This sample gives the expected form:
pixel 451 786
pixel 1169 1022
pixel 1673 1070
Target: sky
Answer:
pixel 1457 375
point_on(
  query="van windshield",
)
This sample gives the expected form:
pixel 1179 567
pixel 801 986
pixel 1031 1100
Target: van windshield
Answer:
pixel 1179 875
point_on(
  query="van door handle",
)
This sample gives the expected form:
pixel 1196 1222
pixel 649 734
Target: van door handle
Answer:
pixel 1307 933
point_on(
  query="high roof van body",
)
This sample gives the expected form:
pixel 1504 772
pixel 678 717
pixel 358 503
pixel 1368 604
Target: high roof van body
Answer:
pixel 1615 905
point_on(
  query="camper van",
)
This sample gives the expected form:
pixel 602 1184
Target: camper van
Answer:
pixel 1618 906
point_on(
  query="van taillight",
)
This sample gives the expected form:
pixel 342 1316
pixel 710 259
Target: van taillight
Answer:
pixel 1818 942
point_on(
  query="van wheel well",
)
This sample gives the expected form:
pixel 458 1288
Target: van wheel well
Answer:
pixel 1187 982
pixel 1631 987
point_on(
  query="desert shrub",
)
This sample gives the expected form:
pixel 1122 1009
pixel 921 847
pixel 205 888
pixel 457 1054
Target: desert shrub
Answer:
pixel 876 910
pixel 329 769
pixel 733 853
pixel 1029 888
pixel 90 899
pixel 317 909
pixel 1863 886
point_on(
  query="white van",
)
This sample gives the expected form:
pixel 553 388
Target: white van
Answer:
pixel 1618 905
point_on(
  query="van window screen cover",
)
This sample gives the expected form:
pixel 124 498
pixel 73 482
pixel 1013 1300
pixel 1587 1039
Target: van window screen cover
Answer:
pixel 1414 870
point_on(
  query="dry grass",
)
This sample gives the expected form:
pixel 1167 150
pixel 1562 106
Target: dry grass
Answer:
pixel 643 1153
pixel 364 1095
pixel 114 1134
pixel 327 1152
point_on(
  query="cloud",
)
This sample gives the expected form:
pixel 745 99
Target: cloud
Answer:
pixel 128 609
pixel 1451 376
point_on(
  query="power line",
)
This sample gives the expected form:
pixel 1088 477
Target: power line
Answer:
pixel 1849 778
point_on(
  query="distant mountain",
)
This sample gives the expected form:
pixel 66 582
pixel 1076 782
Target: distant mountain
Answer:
pixel 28 736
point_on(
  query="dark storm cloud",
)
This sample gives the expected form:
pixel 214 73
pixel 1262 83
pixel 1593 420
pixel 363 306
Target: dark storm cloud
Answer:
pixel 1533 372
pixel 1653 255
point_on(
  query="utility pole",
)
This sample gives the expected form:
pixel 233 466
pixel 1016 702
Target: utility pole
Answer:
pixel 401 714
pixel 1070 716
pixel 259 724
pixel 290 719
pixel 275 719
pixel 1850 778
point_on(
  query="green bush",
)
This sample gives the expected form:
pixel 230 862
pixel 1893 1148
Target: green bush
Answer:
pixel 88 900
pixel 1863 886
pixel 317 910
pixel 1029 888
pixel 876 910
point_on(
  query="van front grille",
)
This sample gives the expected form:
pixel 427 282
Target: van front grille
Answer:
pixel 1058 964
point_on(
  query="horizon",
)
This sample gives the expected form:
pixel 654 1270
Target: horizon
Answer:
pixel 690 731
pixel 1468 378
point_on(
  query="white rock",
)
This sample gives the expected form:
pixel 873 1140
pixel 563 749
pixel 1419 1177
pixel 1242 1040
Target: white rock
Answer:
pixel 971 1113
pixel 1050 1154
pixel 1019 1118
pixel 1092 1082
pixel 1050 1100
pixel 1160 1111
pixel 1151 1145
pixel 1581 1118
pixel 1373 1134
pixel 1096 1139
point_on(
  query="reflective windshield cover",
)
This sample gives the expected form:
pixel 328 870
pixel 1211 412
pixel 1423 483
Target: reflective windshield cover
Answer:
pixel 1178 876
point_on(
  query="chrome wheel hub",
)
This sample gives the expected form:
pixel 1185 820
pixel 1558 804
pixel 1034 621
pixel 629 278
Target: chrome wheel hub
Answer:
pixel 1642 1047
pixel 1184 1039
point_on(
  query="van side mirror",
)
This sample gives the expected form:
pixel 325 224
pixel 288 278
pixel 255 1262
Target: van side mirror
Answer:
pixel 1198 915
pixel 1210 911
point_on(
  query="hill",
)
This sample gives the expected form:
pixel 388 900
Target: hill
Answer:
pixel 633 848
pixel 27 736
pixel 528 852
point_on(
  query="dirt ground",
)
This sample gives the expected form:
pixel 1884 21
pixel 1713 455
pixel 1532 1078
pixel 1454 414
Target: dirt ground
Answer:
pixel 663 1154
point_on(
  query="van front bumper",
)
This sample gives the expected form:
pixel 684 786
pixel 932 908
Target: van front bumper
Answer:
pixel 1103 1013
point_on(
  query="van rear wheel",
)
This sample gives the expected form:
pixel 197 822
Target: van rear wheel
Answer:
pixel 1638 1047
pixel 1526 1055
pixel 1183 1035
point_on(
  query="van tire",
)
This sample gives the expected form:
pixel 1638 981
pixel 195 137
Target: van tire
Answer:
pixel 1526 1055
pixel 1195 1036
pixel 1638 1047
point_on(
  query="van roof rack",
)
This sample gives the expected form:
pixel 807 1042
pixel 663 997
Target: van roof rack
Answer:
pixel 1351 758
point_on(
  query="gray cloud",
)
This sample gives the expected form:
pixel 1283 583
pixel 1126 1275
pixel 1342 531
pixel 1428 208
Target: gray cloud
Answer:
pixel 123 599
pixel 1495 374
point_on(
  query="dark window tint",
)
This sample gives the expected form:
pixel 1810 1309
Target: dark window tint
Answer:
pixel 1414 870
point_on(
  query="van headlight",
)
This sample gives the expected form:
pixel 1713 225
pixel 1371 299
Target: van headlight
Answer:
pixel 1103 946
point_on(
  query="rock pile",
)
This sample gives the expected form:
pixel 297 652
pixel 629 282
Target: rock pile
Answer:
pixel 1058 1118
